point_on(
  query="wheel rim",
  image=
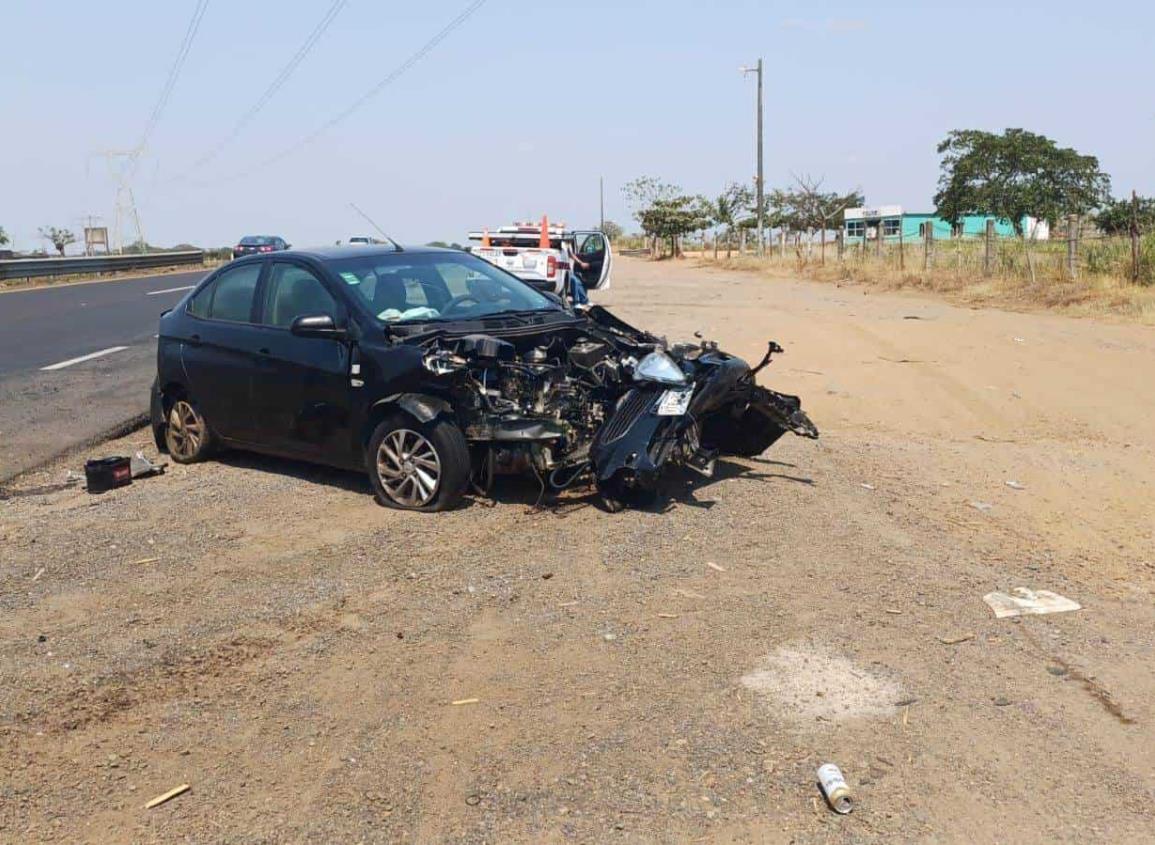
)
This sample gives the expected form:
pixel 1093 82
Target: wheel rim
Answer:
pixel 185 431
pixel 408 468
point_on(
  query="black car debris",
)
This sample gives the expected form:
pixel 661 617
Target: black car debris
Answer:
pixel 435 371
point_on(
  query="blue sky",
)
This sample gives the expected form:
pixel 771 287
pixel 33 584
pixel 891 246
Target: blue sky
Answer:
pixel 521 109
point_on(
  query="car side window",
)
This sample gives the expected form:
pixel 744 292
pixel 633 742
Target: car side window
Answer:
pixel 292 292
pixel 232 294
pixel 593 245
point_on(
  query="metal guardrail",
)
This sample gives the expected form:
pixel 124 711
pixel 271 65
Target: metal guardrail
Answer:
pixel 634 253
pixel 27 268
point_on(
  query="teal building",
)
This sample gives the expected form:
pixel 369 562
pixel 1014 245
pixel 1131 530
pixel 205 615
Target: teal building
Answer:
pixel 890 220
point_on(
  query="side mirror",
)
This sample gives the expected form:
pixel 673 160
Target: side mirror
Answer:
pixel 316 325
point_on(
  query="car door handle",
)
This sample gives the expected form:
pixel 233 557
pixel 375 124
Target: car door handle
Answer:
pixel 264 350
pixel 194 339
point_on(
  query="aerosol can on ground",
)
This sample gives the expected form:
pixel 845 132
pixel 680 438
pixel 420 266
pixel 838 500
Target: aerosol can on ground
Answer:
pixel 835 789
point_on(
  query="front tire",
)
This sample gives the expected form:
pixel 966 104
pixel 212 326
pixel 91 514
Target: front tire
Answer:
pixel 418 466
pixel 616 496
pixel 187 435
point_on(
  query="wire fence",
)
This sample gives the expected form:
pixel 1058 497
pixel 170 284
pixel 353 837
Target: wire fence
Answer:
pixel 1075 252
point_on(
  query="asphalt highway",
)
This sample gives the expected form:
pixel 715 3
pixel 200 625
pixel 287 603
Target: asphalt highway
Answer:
pixel 76 361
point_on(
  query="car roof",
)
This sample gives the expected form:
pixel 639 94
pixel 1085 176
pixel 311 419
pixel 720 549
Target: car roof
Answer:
pixel 328 253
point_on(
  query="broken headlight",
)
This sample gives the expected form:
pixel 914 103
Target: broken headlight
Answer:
pixel 659 367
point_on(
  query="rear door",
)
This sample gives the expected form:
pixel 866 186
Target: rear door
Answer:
pixel 594 248
pixel 301 389
pixel 218 353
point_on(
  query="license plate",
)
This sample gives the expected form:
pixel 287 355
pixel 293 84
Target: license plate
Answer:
pixel 675 402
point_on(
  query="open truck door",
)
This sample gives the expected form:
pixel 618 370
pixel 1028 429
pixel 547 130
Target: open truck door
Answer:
pixel 594 248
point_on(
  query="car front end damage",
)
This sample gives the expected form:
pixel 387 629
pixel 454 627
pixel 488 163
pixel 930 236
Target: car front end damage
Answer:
pixel 595 398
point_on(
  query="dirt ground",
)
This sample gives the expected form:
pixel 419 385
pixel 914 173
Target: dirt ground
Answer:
pixel 263 632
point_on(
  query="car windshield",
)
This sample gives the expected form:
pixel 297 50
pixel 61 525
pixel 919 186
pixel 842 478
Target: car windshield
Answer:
pixel 256 240
pixel 418 287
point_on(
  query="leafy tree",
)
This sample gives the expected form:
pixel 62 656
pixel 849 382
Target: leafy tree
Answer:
pixel 728 208
pixel 60 238
pixel 1115 217
pixel 1015 175
pixel 643 194
pixel 3 236
pixel 673 218
pixel 612 230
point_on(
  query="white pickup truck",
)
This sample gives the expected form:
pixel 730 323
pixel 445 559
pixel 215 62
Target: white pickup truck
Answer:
pixel 519 249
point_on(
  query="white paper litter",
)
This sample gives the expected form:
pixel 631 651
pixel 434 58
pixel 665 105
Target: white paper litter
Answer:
pixel 1015 485
pixel 1026 602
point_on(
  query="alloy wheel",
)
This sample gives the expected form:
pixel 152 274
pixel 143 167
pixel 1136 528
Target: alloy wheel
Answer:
pixel 185 432
pixel 409 468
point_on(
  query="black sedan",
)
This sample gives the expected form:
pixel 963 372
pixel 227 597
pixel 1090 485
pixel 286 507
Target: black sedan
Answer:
pixel 254 244
pixel 432 369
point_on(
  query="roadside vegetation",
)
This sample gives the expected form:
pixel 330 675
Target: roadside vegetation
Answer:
pixel 1099 258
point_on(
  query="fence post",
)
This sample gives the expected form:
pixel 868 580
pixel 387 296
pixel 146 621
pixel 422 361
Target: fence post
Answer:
pixel 1072 246
pixel 901 248
pixel 927 244
pixel 839 243
pixel 1134 237
pixel 989 249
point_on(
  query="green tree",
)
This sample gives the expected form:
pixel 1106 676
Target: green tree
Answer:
pixel 674 218
pixel 612 230
pixel 1015 175
pixel 3 236
pixel 60 238
pixel 643 194
pixel 1114 218
pixel 727 209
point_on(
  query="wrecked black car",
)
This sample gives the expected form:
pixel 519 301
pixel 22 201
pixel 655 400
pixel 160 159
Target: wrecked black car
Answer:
pixel 436 372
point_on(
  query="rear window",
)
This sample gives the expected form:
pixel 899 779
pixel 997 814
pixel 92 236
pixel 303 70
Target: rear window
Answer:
pixel 229 296
pixel 257 240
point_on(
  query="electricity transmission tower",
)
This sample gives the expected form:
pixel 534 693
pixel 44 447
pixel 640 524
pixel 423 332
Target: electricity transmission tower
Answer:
pixel 122 167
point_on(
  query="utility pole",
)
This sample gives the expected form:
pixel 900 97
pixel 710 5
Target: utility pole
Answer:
pixel 602 204
pixel 758 187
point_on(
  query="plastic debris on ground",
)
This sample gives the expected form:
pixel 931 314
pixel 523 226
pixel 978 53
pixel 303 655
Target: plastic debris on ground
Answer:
pixel 142 467
pixel 1024 602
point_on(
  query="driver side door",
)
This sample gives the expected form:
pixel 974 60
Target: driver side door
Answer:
pixel 593 247
pixel 301 386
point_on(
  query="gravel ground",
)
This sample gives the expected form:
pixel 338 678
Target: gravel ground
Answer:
pixel 262 631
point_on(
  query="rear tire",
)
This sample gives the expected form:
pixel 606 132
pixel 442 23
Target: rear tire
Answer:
pixel 187 435
pixel 418 466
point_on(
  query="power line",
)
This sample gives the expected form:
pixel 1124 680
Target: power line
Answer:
pixel 173 74
pixel 427 48
pixel 275 86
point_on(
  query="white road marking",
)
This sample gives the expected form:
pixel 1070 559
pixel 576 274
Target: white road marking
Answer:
pixel 83 358
pixel 169 290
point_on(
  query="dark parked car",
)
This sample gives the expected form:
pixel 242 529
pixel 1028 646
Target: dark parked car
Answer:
pixel 431 369
pixel 252 244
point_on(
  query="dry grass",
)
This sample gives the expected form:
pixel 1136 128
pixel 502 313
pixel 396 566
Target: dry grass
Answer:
pixel 957 278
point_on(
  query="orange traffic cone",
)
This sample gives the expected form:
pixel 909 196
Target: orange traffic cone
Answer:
pixel 485 238
pixel 544 242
